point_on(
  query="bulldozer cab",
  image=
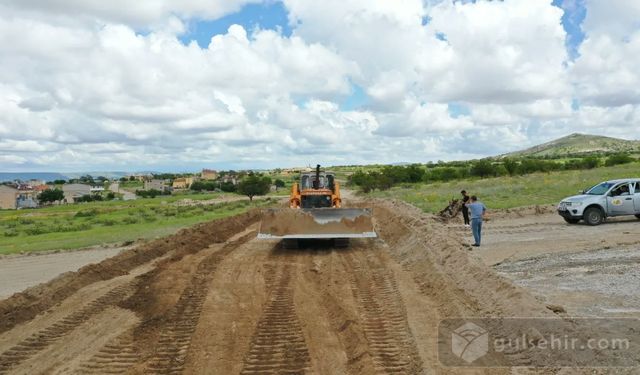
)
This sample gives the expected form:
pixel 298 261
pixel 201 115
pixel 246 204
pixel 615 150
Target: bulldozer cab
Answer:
pixel 325 180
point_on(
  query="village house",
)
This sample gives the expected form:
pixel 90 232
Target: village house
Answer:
pixel 74 191
pixel 8 200
pixel 40 188
pixel 155 184
pixel 230 178
pixel 97 189
pixel 142 177
pixel 182 182
pixel 17 197
pixel 209 174
pixel 36 182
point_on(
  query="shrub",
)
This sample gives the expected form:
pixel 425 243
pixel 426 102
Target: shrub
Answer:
pixel 618 159
pixel 152 193
pixel 130 220
pixel 107 222
pixel 10 233
pixel 87 213
pixel 35 230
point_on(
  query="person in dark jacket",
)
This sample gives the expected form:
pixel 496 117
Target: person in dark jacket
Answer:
pixel 465 209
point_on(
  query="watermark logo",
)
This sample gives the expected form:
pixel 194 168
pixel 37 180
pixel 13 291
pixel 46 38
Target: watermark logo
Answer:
pixel 539 342
pixel 470 342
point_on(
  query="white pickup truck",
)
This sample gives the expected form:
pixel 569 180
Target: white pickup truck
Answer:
pixel 606 199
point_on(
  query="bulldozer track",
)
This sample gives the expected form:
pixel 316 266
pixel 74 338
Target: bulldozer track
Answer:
pixel 116 357
pixel 278 345
pixel 37 342
pixel 385 325
pixel 175 337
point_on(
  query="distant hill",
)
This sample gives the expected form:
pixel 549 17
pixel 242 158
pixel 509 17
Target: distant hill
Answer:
pixel 51 176
pixel 4 176
pixel 578 144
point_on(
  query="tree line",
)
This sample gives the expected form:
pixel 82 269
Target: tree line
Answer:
pixel 387 176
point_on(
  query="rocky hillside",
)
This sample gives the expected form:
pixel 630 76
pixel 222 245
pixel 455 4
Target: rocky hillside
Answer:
pixel 578 144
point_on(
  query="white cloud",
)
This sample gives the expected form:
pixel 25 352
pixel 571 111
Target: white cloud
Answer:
pixel 86 84
pixel 606 76
pixel 139 13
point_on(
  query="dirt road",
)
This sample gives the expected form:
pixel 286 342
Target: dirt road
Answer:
pixel 22 271
pixel 214 300
pixel 588 271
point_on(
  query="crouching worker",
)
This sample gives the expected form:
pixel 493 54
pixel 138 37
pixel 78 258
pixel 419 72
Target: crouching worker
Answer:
pixel 477 210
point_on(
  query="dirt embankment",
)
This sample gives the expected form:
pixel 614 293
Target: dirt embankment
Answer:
pixel 445 269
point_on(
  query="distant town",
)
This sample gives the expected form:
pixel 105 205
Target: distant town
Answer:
pixel 34 193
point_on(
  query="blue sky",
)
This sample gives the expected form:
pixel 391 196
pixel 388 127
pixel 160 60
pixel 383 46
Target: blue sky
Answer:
pixel 272 15
pixel 574 13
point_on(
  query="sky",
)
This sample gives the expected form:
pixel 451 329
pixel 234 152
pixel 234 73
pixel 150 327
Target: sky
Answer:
pixel 178 85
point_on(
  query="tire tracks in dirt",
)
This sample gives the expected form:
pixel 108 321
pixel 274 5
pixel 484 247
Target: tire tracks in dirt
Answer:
pixel 278 344
pixel 384 315
pixel 176 332
pixel 37 342
pixel 117 357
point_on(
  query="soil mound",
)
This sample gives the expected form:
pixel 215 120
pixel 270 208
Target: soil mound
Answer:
pixel 444 268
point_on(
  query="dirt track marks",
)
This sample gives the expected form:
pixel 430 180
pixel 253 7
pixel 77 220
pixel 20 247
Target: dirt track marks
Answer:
pixel 114 358
pixel 278 344
pixel 176 334
pixel 42 339
pixel 391 343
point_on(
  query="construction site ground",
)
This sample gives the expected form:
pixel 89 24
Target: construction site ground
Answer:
pixel 213 299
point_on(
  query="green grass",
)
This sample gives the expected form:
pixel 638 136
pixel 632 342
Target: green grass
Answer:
pixel 89 224
pixel 509 192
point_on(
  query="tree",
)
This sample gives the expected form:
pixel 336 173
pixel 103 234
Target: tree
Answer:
pixel 482 169
pixel 50 196
pixel 279 184
pixel 511 166
pixel 254 185
pixel 228 187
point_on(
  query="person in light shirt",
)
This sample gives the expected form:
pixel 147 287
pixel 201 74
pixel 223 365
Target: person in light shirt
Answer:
pixel 477 211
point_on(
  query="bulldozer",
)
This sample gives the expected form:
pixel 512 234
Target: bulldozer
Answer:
pixel 315 212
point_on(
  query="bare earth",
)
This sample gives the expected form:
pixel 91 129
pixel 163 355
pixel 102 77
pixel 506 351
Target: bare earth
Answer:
pixel 590 271
pixel 22 271
pixel 213 299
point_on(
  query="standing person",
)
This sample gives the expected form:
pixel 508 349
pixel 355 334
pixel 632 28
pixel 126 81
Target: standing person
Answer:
pixel 477 210
pixel 465 209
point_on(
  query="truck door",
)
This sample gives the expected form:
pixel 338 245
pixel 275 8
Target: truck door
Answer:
pixel 620 200
pixel 636 197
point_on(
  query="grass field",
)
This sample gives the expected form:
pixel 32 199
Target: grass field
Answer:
pixel 508 192
pixel 88 224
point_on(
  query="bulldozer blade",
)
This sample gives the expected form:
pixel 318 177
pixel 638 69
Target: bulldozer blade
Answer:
pixel 317 223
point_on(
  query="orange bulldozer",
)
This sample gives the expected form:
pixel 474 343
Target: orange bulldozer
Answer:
pixel 315 212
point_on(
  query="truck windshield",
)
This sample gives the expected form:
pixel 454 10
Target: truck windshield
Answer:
pixel 600 189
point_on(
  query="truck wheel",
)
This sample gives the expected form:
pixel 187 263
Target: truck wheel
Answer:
pixel 593 216
pixel 341 242
pixel 571 220
pixel 290 243
pixel 638 216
